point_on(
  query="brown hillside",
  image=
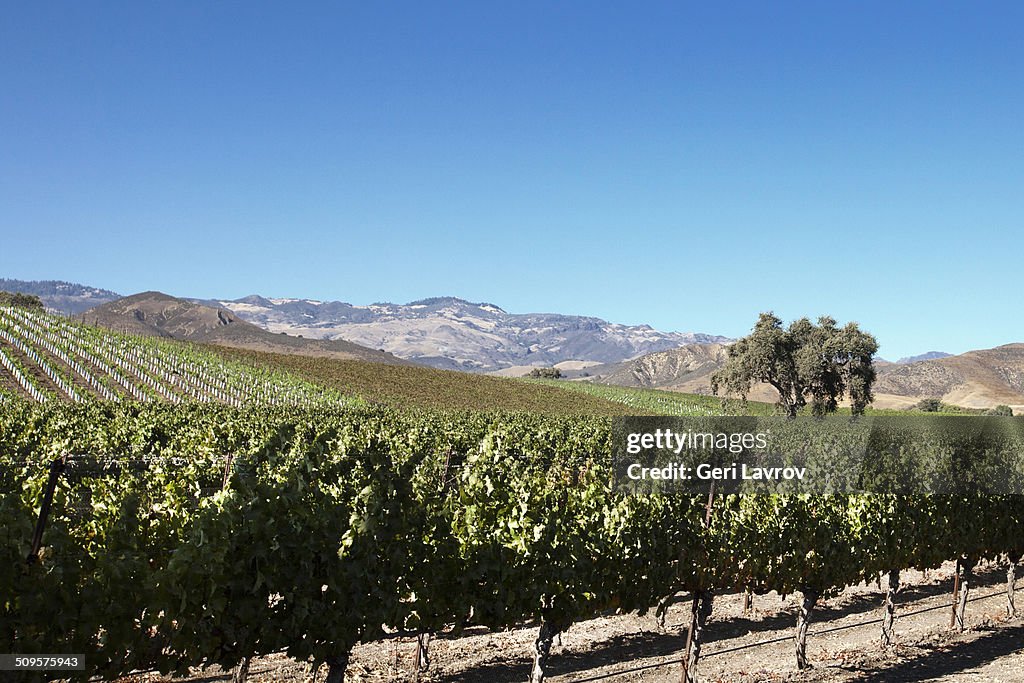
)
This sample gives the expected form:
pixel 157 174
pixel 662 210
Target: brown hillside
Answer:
pixel 160 315
pixel 665 368
pixel 686 369
pixel 416 386
pixel 976 379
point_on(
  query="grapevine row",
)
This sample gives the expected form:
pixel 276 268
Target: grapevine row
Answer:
pixel 8 363
pixel 47 369
pixel 146 370
pixel 30 333
pixel 336 527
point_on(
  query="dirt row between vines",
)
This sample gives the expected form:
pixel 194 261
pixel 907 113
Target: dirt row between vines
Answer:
pixel 843 645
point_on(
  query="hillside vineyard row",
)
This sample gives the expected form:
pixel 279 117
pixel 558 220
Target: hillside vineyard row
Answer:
pixel 47 357
pixel 327 528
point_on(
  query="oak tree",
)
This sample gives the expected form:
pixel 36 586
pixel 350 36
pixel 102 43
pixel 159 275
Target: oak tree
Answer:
pixel 806 363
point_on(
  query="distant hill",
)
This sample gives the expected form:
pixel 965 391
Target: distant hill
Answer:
pixel 48 357
pixel 686 369
pixel 66 297
pixel 665 369
pixel 978 379
pixel 452 333
pixel 443 332
pixel 930 355
pixel 160 315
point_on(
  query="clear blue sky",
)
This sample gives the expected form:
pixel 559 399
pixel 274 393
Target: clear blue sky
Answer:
pixel 685 166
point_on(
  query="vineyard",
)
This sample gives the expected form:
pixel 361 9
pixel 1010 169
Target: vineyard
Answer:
pixel 152 536
pixel 44 357
pixel 657 402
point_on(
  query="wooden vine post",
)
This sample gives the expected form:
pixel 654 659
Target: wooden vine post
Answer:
pixel 227 471
pixel 56 469
pixel 1011 581
pixel 956 595
pixel 964 569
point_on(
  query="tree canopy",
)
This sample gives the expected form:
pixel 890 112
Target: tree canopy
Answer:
pixel 806 362
pixel 20 300
pixel 545 373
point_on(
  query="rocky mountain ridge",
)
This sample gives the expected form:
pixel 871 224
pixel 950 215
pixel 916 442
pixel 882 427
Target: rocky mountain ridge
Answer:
pixel 453 333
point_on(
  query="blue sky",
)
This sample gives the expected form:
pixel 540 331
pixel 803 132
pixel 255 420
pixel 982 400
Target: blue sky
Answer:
pixel 682 165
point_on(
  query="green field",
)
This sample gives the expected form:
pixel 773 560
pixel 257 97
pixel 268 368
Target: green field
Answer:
pixel 411 386
pixel 657 402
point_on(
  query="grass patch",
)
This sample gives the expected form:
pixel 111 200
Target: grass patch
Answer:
pixel 409 386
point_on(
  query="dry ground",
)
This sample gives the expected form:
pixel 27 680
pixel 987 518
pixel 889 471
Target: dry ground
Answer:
pixel 758 647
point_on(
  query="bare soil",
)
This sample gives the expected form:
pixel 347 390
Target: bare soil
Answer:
pixel 758 647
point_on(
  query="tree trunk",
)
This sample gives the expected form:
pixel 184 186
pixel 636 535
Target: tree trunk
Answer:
pixel 964 573
pixel 422 652
pixel 541 651
pixel 241 672
pixel 336 668
pixel 889 619
pixel 1011 580
pixel 661 612
pixel 703 603
pixel 956 595
pixel 803 621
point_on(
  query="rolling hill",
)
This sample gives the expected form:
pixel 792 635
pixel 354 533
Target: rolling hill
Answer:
pixel 49 358
pixel 421 387
pixel 442 332
pixel 66 297
pixel 159 315
pixel 46 357
pixel 977 379
pixel 686 369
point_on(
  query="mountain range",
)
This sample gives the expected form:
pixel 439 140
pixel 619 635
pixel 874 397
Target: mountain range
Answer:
pixel 455 334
